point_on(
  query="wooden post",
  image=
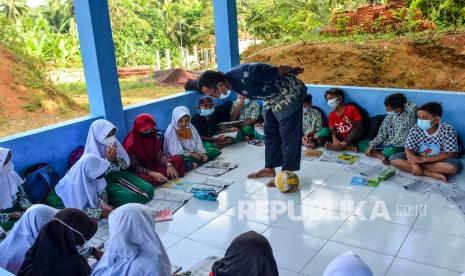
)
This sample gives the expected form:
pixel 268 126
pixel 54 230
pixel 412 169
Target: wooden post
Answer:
pixel 167 59
pixel 196 55
pixel 186 58
pixel 205 52
pixel 181 56
pixel 157 60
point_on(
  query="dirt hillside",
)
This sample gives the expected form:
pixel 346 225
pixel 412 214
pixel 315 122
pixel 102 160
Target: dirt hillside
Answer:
pixel 437 63
pixel 23 97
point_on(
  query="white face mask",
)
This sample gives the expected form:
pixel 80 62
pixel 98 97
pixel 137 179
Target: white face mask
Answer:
pixel 8 167
pixel 333 103
pixel 109 141
pixel 223 96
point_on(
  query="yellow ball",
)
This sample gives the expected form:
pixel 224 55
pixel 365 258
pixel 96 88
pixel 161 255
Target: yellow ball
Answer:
pixel 287 181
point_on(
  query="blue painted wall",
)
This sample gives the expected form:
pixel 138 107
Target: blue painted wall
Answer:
pixel 53 144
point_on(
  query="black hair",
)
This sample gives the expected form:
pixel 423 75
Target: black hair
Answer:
pixel 395 101
pixel 205 100
pixel 338 92
pixel 308 98
pixel 432 108
pixel 210 79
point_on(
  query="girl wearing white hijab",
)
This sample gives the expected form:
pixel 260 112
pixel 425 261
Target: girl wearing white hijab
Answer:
pixel 348 264
pixel 12 195
pixel 102 142
pixel 83 187
pixel 20 239
pixel 182 138
pixel 134 247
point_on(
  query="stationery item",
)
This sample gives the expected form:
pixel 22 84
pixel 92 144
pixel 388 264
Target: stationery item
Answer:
pixel 216 168
pixel 231 134
pixel 231 124
pixel 257 142
pixel 163 215
pixel 347 158
pixel 131 187
pixel 387 173
pixel 311 154
pixel 365 181
pixel 210 182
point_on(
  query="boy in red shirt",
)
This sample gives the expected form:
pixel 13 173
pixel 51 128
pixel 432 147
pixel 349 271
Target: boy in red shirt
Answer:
pixel 345 122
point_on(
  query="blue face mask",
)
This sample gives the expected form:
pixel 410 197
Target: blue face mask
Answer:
pixel 206 112
pixel 424 124
pixel 391 113
pixel 246 101
pixel 223 96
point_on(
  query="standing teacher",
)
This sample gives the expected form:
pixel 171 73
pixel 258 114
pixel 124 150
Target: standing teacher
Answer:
pixel 283 94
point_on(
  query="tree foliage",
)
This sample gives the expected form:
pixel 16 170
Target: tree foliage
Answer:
pixel 140 27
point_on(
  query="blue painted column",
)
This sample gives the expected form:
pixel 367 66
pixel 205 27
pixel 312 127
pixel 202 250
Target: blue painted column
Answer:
pixel 98 58
pixel 227 45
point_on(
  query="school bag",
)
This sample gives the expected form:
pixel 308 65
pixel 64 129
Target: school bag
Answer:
pixel 75 155
pixel 374 126
pixel 365 117
pixel 40 179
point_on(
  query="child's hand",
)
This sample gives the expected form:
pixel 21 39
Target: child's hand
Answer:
pixel 195 155
pixel 16 215
pixel 158 177
pixel 415 159
pixel 111 153
pixel 204 157
pixel 171 171
pixel 220 138
pixel 337 144
pixel 106 210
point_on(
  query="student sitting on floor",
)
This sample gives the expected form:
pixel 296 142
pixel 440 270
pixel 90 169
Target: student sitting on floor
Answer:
pixel 393 132
pixel 247 111
pixel 345 122
pixel 182 138
pixel 102 142
pixel 206 123
pixel 13 198
pixel 134 247
pixel 55 251
pixel 22 236
pixel 83 188
pixel 347 264
pixel 431 148
pixel 145 151
pixel 312 124
pixel 249 254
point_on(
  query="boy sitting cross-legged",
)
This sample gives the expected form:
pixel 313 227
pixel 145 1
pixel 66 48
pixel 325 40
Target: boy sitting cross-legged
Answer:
pixel 345 122
pixel 247 111
pixel 431 148
pixel 391 137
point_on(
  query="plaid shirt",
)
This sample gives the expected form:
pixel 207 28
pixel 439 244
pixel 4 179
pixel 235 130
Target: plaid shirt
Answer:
pixel 424 144
pixel 249 111
pixel 312 120
pixel 395 128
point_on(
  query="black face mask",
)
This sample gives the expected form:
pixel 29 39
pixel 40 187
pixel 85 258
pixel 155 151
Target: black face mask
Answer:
pixel 147 134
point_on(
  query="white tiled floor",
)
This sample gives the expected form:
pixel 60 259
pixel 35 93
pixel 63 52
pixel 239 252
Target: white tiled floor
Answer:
pixel 417 244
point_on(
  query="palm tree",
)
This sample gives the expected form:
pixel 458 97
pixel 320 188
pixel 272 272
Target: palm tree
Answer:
pixel 13 9
pixel 58 13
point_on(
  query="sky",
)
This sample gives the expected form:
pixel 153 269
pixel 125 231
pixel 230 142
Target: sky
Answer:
pixel 35 3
